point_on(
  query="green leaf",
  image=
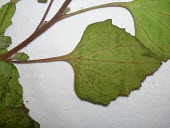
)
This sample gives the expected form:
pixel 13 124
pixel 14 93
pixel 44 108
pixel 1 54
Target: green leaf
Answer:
pixel 10 89
pixel 108 62
pixel 13 113
pixel 6 13
pixel 5 41
pixel 152 24
pixel 42 1
pixel 20 56
pixel 67 10
pixel 16 117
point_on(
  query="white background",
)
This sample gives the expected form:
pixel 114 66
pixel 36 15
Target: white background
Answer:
pixel 49 88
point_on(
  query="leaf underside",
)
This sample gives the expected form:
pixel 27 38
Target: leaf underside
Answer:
pixel 152 24
pixel 108 62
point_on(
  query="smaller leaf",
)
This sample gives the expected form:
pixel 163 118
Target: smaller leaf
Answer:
pixel 5 41
pixel 42 1
pixel 41 25
pixel 20 56
pixel 67 10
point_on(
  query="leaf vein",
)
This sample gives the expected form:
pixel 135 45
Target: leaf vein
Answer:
pixel 149 37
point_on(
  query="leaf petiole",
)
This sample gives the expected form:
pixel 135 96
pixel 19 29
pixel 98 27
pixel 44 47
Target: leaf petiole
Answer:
pixel 37 33
pixel 45 14
pixel 52 59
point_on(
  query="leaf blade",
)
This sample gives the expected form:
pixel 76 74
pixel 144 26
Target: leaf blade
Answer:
pixel 6 13
pixel 152 25
pixel 110 65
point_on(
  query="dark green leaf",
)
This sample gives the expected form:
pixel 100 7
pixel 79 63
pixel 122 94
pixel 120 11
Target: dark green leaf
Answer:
pixel 42 1
pixel 10 89
pixel 16 117
pixel 13 113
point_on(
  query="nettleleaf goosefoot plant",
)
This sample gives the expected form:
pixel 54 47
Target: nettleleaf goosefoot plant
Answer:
pixel 108 62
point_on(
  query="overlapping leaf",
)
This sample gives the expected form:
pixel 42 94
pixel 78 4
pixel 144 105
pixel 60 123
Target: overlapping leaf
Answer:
pixel 152 23
pixel 108 62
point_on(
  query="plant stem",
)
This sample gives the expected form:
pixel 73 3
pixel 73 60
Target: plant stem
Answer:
pixel 58 17
pixel 60 58
pixel 116 4
pixel 45 14
pixel 38 32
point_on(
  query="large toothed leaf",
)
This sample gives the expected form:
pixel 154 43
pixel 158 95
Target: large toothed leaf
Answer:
pixel 108 62
pixel 152 24
pixel 6 13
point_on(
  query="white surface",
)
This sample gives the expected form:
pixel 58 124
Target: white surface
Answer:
pixel 49 89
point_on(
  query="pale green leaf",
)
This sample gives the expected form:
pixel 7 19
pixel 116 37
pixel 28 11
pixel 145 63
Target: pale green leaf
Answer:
pixel 152 24
pixel 108 62
pixel 67 10
pixel 6 13
pixel 20 56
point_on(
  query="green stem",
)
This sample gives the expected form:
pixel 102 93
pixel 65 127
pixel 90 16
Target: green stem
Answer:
pixel 51 23
pixel 45 14
pixel 116 4
pixel 37 33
